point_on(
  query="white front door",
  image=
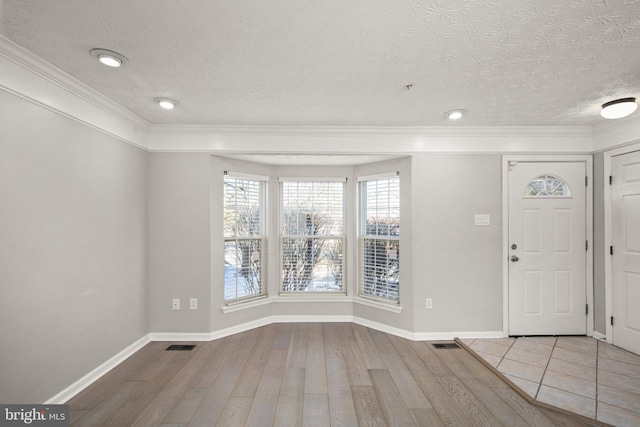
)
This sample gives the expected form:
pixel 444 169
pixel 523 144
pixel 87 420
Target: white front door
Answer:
pixel 625 209
pixel 547 248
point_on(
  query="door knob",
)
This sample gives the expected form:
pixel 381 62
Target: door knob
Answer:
pixel 514 258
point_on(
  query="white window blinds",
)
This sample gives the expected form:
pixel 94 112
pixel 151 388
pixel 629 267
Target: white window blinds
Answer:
pixel 244 237
pixel 379 241
pixel 312 235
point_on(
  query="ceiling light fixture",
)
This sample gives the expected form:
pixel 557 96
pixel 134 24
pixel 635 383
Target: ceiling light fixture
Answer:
pixel 619 108
pixel 454 114
pixel 109 57
pixel 166 103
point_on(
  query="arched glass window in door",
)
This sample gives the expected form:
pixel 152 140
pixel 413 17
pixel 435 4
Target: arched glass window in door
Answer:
pixel 547 186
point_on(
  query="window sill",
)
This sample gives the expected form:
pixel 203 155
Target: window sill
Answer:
pixel 394 308
pixel 246 305
pixel 293 298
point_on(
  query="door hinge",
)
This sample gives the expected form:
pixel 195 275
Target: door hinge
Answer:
pixel 586 244
pixel 611 320
pixel 610 250
pixel 587 309
pixel 586 181
pixel 610 180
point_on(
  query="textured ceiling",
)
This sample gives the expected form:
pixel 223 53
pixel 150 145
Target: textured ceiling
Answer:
pixel 344 63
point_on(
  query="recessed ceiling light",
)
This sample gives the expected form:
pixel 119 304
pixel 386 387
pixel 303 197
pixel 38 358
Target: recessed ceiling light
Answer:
pixel 619 108
pixel 109 57
pixel 454 114
pixel 166 103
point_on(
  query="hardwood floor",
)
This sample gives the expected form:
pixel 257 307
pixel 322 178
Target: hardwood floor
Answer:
pixel 307 374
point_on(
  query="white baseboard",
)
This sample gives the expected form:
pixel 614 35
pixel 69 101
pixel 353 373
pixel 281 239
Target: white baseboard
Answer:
pixel 97 373
pixel 448 336
pixel 383 328
pixel 597 335
pixel 243 327
pixel 180 336
pixel 311 319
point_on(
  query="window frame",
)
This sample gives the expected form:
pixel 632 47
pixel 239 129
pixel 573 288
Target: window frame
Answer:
pixel 261 237
pixel 363 238
pixel 341 238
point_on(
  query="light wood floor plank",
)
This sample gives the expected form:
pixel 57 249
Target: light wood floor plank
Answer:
pixel 291 398
pixel 145 395
pixel 248 383
pixel 266 399
pixel 215 400
pixel 444 405
pixel 309 374
pixel 315 381
pixel 315 412
pixel 426 417
pixel 235 413
pixel 372 358
pixel 162 405
pixel 409 390
pixel 367 406
pixel 100 390
pixel 341 407
pixel 332 347
pixel 297 356
pixel 103 412
pixel 393 407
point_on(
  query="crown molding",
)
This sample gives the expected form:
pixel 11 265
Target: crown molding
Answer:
pixel 32 78
pixel 370 140
pixel 611 134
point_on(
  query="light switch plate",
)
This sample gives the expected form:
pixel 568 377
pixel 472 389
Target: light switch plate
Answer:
pixel 482 220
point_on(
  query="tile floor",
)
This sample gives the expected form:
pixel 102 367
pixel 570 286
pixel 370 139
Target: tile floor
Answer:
pixel 579 374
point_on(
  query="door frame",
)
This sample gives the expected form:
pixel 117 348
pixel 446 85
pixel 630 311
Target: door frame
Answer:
pixel 608 234
pixel 588 161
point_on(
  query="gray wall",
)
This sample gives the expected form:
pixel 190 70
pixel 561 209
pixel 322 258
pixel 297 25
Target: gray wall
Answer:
pixel 179 241
pixel 445 257
pixel 73 252
pixel 456 263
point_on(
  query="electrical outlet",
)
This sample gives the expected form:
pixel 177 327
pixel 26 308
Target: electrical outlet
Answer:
pixel 429 304
pixel 193 304
pixel 175 304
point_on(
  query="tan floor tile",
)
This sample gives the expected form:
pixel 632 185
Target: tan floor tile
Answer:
pixel 527 357
pixel 617 416
pixel 489 348
pixel 521 370
pixel 568 368
pixel 574 357
pixel 467 341
pixel 534 347
pixel 542 340
pixel 508 342
pixel 587 345
pixel 568 401
pixel 621 382
pixel 489 358
pixel 529 387
pixel 611 352
pixel 623 368
pixel 571 384
pixel 620 398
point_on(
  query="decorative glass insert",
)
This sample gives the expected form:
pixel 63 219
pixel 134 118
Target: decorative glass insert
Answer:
pixel 547 186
